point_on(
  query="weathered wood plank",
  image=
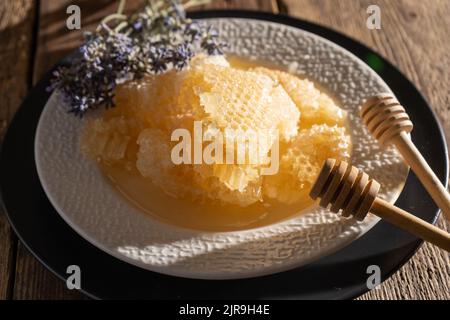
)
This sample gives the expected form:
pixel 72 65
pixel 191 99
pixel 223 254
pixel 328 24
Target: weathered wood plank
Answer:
pixel 16 39
pixel 414 36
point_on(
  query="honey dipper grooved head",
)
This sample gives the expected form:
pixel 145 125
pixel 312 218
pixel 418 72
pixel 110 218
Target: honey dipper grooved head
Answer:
pixel 385 117
pixel 346 188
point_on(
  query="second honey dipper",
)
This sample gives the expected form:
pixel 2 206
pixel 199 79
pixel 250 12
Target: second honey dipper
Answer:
pixel 389 123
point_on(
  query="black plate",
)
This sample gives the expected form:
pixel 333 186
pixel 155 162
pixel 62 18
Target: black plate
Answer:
pixel 339 276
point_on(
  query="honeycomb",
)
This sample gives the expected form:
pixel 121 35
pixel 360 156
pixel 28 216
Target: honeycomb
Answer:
pixel 314 106
pixel 245 100
pixel 137 133
pixel 110 140
pixel 154 162
pixel 300 164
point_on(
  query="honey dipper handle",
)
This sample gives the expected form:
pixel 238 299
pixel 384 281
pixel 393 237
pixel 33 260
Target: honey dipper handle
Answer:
pixel 423 171
pixel 411 223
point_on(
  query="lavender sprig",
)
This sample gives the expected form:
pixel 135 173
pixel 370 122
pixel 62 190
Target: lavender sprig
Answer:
pixel 155 39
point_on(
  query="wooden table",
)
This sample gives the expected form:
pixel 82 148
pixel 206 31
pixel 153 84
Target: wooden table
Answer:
pixel 414 36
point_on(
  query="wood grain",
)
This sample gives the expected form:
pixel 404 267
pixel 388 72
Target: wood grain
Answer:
pixel 16 41
pixel 413 37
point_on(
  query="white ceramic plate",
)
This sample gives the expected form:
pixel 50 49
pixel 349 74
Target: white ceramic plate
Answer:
pixel 90 205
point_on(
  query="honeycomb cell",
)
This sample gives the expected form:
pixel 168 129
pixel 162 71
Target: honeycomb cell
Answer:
pixel 277 106
pixel 300 164
pixel 315 107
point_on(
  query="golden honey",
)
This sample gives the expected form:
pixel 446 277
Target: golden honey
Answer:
pixel 132 144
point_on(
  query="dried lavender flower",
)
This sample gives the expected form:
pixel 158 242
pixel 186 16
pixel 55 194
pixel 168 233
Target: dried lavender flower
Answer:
pixel 155 39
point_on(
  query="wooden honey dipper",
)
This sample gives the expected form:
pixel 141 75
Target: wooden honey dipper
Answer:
pixel 348 189
pixel 389 123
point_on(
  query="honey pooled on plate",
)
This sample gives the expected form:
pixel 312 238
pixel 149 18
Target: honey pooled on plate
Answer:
pixel 297 126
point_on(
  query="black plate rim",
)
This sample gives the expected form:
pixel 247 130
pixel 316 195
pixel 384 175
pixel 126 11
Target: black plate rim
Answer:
pixel 248 14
